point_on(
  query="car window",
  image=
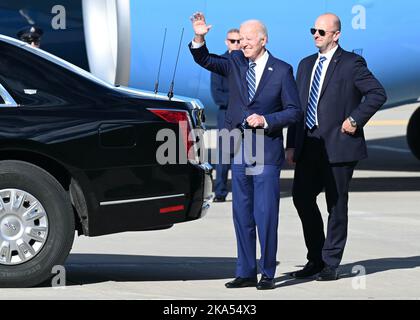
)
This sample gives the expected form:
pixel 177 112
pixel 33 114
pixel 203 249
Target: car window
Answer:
pixel 35 81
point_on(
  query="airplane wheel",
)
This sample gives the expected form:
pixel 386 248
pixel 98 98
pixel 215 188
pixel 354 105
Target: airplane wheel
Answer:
pixel 413 133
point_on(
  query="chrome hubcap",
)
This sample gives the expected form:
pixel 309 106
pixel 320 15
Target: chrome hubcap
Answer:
pixel 23 226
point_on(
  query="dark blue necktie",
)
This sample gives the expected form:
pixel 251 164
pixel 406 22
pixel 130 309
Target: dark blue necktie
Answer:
pixel 313 95
pixel 251 80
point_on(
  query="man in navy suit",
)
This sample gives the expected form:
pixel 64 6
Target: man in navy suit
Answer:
pixel 263 97
pixel 220 92
pixel 339 95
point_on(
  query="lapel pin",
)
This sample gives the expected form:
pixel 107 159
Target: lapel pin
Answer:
pixel 270 69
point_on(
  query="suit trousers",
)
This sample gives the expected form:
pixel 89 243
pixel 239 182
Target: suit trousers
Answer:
pixel 255 204
pixel 313 174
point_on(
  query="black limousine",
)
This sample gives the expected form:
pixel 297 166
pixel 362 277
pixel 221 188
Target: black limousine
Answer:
pixel 78 154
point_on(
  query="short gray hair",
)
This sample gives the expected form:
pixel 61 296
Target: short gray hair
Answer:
pixel 234 30
pixel 262 29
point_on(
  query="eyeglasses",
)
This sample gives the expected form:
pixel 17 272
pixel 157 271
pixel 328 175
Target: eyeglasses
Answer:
pixel 232 41
pixel 321 32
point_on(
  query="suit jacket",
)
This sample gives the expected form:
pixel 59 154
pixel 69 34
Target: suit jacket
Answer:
pixel 276 98
pixel 349 89
pixel 219 86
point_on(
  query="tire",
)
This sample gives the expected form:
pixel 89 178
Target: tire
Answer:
pixel 413 133
pixel 52 223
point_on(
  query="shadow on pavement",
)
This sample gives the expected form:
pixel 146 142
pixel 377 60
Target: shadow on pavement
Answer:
pixel 84 269
pixel 96 268
pixel 352 270
pixel 379 265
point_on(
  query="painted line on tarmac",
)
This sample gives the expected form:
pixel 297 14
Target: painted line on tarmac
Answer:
pixel 383 123
pixel 389 149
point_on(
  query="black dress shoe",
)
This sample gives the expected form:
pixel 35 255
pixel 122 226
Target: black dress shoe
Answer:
pixel 219 199
pixel 241 283
pixel 310 269
pixel 266 283
pixel 328 274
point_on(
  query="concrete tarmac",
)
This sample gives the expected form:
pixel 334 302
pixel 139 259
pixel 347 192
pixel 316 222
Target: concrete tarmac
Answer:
pixel 194 260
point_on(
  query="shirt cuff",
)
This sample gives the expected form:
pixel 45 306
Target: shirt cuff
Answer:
pixel 265 123
pixel 196 45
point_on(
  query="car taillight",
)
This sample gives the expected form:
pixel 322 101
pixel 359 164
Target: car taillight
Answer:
pixel 183 120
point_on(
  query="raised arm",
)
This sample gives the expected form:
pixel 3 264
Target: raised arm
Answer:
pixel 199 51
pixel 200 27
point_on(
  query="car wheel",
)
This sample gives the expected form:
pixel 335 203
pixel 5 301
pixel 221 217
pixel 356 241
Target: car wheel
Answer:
pixel 36 224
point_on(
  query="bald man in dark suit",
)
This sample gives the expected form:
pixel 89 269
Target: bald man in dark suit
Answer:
pixel 339 95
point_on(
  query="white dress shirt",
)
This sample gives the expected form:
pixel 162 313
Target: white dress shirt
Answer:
pixel 325 65
pixel 261 62
pixel 197 45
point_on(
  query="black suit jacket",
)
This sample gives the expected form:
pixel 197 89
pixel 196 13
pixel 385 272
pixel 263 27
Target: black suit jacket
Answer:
pixel 349 89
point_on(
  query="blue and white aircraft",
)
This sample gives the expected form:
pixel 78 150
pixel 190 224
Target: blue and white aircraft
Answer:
pixel 121 41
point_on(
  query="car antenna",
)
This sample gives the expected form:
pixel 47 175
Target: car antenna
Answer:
pixel 171 89
pixel 160 63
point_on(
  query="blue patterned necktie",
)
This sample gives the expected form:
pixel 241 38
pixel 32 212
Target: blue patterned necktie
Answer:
pixel 314 95
pixel 251 80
